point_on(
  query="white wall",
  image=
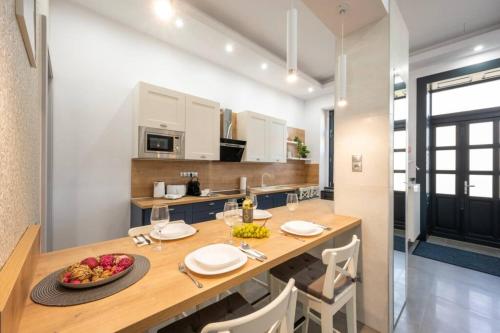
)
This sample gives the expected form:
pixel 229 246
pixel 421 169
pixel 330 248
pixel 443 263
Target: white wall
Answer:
pixel 96 64
pixel 363 127
pixel 316 126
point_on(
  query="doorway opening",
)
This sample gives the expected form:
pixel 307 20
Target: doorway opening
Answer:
pixel 458 128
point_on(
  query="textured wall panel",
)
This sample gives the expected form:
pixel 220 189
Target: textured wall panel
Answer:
pixel 20 130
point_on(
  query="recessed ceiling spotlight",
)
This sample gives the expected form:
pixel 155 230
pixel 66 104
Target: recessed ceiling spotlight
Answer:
pixel 179 23
pixel 263 66
pixel 229 48
pixel 164 9
pixel 310 89
pixel 291 78
pixel 478 48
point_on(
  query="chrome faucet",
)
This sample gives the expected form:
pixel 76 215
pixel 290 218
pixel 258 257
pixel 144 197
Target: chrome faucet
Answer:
pixel 262 184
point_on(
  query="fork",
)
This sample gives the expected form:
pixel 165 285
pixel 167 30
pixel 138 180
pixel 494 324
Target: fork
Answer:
pixel 183 269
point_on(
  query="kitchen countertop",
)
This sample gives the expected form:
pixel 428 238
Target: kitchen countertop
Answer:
pixel 148 202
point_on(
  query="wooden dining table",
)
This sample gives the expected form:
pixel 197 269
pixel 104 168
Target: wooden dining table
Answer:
pixel 164 292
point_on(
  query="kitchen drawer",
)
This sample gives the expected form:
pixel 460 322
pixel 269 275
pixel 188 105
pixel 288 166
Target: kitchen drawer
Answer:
pixel 206 215
pixel 279 199
pixel 265 201
pixel 178 212
pixel 216 206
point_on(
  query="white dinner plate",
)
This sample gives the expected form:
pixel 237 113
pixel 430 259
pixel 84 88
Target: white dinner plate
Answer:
pixel 301 228
pixel 174 231
pixel 209 254
pixel 258 214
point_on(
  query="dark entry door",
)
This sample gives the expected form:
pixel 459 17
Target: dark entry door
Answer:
pixel 465 180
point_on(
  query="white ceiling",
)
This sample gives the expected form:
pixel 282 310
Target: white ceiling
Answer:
pixel 432 22
pixel 264 22
pixel 260 38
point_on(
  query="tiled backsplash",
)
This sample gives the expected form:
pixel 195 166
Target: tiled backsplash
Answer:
pixel 218 175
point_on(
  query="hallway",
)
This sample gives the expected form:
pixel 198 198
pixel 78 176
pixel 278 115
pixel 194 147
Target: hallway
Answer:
pixel 446 298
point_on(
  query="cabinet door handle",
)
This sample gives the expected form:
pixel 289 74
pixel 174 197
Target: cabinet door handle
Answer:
pixel 171 209
pixel 211 204
pixel 211 213
pixel 257 159
pixel 203 156
pixel 163 125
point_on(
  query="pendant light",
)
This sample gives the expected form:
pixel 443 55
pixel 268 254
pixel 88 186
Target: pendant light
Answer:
pixel 291 43
pixel 342 64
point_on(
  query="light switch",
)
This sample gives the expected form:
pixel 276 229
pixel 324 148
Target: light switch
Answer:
pixel 357 163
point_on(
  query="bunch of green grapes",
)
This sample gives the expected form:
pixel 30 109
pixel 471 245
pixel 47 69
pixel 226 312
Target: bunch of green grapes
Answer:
pixel 250 230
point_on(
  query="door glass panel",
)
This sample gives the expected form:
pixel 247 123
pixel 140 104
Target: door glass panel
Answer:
pixel 481 159
pixel 400 161
pixel 445 160
pixel 472 97
pixel 399 139
pixel 446 136
pixel 482 186
pixel 399 182
pixel 481 133
pixel 445 184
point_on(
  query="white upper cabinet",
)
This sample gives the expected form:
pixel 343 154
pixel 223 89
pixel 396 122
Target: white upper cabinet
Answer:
pixel 202 129
pixel 277 134
pixel 159 107
pixel 265 137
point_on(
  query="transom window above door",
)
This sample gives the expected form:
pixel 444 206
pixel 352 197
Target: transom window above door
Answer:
pixel 478 91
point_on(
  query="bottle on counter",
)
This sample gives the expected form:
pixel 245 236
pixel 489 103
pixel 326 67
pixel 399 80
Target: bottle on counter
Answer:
pixel 247 209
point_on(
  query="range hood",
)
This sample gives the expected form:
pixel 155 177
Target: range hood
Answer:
pixel 231 150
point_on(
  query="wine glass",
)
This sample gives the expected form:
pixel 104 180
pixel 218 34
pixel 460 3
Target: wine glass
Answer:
pixel 292 202
pixel 160 216
pixel 231 217
pixel 253 197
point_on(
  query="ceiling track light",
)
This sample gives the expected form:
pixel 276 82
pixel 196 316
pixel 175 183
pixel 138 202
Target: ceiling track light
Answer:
pixel 291 43
pixel 342 64
pixel 164 9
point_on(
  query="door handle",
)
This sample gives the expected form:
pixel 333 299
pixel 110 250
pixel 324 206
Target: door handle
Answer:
pixel 467 186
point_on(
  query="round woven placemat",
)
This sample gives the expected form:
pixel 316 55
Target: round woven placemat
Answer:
pixel 50 292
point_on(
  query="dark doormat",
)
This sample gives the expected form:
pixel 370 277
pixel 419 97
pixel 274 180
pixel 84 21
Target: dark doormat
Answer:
pixel 457 257
pixel 399 243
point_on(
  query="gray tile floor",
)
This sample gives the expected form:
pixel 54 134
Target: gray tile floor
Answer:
pixel 446 298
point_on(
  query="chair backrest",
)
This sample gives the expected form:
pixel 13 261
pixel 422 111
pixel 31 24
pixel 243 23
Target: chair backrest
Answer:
pixel 277 316
pixel 146 229
pixel 331 258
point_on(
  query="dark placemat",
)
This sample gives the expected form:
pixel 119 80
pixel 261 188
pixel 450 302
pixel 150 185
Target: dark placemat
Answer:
pixel 50 292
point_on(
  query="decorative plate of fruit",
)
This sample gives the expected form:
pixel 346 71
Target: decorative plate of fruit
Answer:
pixel 96 271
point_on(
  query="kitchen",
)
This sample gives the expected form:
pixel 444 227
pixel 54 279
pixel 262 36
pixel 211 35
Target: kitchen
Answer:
pixel 193 114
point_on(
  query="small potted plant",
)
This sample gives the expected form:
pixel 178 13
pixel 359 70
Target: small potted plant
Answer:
pixel 302 150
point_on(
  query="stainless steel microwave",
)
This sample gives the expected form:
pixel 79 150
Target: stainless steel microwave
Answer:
pixel 160 143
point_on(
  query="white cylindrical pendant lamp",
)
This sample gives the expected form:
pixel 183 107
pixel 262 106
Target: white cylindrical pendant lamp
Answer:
pixel 291 41
pixel 342 79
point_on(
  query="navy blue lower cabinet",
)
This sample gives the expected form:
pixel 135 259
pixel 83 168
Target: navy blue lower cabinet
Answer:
pixel 181 212
pixel 206 211
pixel 204 216
pixel 202 211
pixel 265 201
pixel 279 199
pixel 140 217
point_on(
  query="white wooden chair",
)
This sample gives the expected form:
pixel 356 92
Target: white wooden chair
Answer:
pixel 238 316
pixel 324 289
